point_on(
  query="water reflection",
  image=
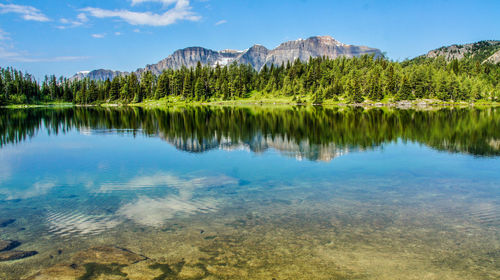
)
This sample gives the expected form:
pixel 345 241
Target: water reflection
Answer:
pixel 302 133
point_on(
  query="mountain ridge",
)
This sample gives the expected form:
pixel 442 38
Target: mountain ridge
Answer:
pixel 257 56
pixel 482 51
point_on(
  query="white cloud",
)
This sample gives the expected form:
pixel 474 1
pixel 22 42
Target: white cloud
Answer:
pixel 26 12
pixel 155 211
pixel 82 17
pixel 221 22
pixel 98 36
pixel 185 186
pixel 181 11
pixel 37 189
pixel 80 20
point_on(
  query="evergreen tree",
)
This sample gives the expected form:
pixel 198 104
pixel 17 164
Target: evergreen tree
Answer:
pixel 199 90
pixel 404 92
pixel 187 90
pixel 354 94
pixel 114 90
pixel 162 88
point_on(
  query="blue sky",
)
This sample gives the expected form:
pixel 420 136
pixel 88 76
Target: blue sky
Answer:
pixel 63 37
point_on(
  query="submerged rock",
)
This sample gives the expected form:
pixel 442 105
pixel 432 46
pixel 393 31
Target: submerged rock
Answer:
pixel 4 223
pixel 192 272
pixel 93 263
pixel 6 245
pixel 16 255
pixel 107 255
pixel 60 272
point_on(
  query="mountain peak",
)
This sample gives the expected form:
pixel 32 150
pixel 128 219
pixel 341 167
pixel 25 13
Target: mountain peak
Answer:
pixel 326 40
pixel 257 56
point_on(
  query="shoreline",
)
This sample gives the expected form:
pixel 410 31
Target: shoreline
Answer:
pixel 413 104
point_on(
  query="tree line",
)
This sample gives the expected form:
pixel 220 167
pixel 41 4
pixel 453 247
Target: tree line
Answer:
pixel 349 80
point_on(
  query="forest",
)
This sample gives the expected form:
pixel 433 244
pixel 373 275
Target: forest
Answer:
pixel 343 80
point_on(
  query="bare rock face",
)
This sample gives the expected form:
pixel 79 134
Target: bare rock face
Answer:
pixel 257 56
pixel 478 49
pixel 187 57
pixel 494 58
pixel 315 47
pixel 98 75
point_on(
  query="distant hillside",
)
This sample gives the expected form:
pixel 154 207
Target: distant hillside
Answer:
pixel 482 51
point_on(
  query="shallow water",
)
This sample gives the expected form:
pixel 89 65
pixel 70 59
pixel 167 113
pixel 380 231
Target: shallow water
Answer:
pixel 251 192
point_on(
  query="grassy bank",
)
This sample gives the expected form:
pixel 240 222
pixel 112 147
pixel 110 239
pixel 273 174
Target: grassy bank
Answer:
pixel 262 99
pixel 269 100
pixel 41 104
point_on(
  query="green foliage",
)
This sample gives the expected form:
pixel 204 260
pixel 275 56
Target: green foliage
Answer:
pixel 354 79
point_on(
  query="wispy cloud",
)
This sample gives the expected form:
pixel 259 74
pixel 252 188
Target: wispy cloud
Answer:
pixel 26 12
pixel 171 181
pixel 8 53
pixel 181 11
pixel 155 211
pixel 15 56
pixel 37 189
pixel 221 22
pixel 4 35
pixel 98 36
pixel 80 20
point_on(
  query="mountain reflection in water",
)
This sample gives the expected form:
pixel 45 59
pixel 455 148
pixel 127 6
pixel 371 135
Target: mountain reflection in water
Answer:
pixel 313 133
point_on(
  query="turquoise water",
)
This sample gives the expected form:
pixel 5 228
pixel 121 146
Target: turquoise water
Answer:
pixel 253 192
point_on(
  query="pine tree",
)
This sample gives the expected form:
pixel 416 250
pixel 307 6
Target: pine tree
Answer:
pixel 3 101
pixel 354 94
pixel 199 89
pixel 404 92
pixel 114 90
pixel 187 90
pixel 92 93
pixel 318 96
pixel 162 88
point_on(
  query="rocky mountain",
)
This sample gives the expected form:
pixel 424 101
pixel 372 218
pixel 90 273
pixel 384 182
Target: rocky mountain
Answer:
pixel 315 47
pixel 257 56
pixel 483 51
pixel 494 58
pixel 100 74
pixel 189 57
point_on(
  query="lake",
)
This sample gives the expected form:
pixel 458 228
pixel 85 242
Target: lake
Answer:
pixel 250 193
